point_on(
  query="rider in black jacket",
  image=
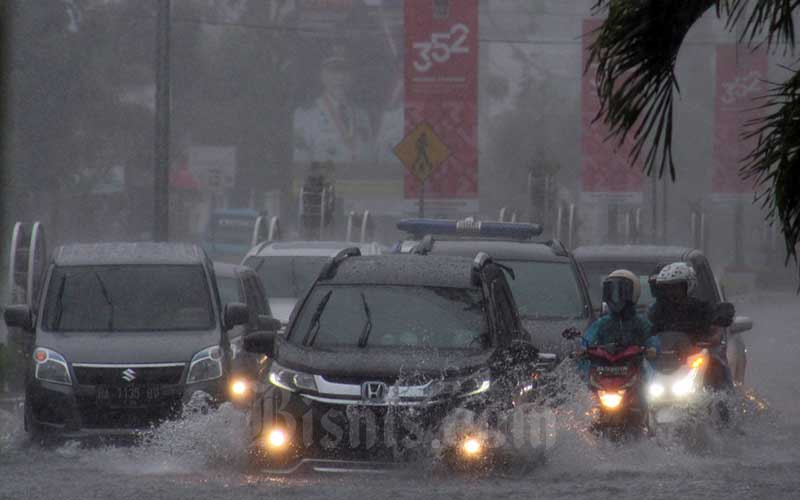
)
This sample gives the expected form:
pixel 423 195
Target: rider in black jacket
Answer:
pixel 677 309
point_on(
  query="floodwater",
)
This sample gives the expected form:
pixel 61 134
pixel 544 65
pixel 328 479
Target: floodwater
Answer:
pixel 200 457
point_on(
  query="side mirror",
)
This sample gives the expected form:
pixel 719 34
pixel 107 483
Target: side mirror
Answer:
pixel 741 324
pixel 235 314
pixel 19 315
pixel 571 333
pixel 268 323
pixel 260 343
pixel 724 314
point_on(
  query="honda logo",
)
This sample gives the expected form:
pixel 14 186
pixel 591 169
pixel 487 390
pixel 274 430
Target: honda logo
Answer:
pixel 373 391
pixel 129 375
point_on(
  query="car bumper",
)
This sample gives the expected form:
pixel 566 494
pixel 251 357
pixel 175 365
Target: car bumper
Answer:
pixel 330 436
pixel 73 411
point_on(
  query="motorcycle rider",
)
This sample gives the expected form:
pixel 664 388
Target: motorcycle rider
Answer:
pixel 677 308
pixel 622 325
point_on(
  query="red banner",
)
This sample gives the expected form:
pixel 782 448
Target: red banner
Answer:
pixel 441 89
pixel 741 76
pixel 607 172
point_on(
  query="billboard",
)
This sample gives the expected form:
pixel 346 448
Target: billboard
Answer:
pixel 740 78
pixel 606 170
pixel 441 90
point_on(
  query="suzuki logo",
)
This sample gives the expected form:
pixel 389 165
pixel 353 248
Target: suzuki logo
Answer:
pixel 129 375
pixel 373 391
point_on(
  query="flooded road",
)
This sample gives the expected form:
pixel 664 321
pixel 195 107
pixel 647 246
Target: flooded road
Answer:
pixel 200 457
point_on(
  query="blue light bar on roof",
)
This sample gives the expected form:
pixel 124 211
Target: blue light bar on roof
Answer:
pixel 470 227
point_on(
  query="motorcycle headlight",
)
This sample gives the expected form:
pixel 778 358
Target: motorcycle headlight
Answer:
pixel 611 400
pixel 51 366
pixel 685 385
pixel 655 390
pixel 291 380
pixel 205 365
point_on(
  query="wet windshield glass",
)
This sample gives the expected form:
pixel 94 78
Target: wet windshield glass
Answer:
pixel 128 298
pixel 546 290
pixel 286 276
pixel 399 316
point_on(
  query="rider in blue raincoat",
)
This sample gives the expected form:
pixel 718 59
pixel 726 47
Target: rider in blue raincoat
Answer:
pixel 622 325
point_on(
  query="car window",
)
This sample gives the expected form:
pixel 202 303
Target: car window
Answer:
pixel 128 298
pixel 546 289
pixel 286 276
pixel 256 291
pixel 706 285
pixel 229 289
pixel 401 316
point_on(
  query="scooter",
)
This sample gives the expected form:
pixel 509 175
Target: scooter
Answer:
pixel 677 388
pixel 616 375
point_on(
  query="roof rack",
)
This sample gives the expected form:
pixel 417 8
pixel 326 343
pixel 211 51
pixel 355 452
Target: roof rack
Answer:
pixel 470 227
pixel 329 270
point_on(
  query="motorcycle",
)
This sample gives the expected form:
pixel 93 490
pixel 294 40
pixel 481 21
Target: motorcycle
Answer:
pixel 616 376
pixel 676 390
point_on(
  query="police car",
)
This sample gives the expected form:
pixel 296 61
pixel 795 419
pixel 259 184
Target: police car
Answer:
pixel 549 287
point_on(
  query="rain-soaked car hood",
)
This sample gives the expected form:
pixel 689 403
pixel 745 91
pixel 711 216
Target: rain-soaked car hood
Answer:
pixel 546 334
pixel 128 347
pixel 379 362
pixel 282 308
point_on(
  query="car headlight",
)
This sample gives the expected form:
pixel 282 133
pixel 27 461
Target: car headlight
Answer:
pixel 206 365
pixel 476 383
pixel 291 380
pixel 51 366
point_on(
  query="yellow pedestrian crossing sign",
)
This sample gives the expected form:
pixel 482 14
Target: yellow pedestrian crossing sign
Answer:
pixel 422 151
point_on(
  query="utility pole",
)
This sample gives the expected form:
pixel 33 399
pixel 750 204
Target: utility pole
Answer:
pixel 161 171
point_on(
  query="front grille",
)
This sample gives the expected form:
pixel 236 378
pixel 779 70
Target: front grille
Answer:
pixel 94 416
pixel 123 375
pixel 402 380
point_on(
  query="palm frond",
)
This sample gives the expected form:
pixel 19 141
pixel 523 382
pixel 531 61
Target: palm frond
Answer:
pixel 774 164
pixel 768 20
pixel 635 51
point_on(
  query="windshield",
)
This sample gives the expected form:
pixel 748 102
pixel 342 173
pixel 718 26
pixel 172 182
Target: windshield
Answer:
pixel 596 272
pixel 546 290
pixel 128 298
pixel 397 316
pixel 286 276
pixel 229 289
pixel 232 230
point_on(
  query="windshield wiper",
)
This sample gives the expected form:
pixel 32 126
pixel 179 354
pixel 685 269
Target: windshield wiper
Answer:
pixel 106 296
pixel 362 340
pixel 59 302
pixel 314 326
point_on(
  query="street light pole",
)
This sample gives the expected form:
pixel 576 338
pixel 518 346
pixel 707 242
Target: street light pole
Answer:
pixel 161 172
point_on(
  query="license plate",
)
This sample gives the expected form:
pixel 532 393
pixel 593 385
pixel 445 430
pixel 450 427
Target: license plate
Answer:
pixel 127 395
pixel 612 370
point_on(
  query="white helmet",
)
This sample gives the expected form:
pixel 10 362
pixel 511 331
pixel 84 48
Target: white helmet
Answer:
pixel 677 272
pixel 637 286
pixel 621 289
